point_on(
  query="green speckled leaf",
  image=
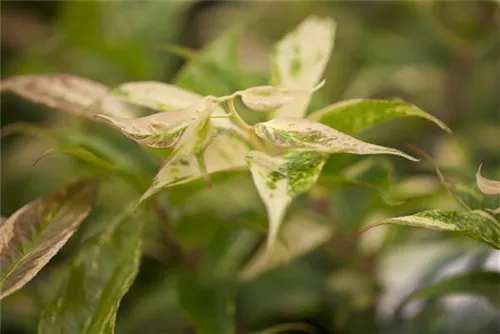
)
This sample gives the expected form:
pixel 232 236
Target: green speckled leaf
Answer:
pixel 99 276
pixel 36 232
pixel 279 179
pixel 484 284
pixel 297 133
pixel 299 60
pixel 476 224
pixel 353 116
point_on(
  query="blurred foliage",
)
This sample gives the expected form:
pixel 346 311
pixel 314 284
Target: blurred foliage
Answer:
pixel 442 56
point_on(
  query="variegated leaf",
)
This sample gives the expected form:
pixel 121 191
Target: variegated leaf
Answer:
pixel 191 144
pixel 278 180
pixel 64 92
pixel 478 225
pixel 266 98
pixel 300 58
pixel 487 186
pixel 35 233
pixel 300 133
pixel 356 115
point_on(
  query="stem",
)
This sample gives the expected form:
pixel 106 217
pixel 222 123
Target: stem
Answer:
pixel 254 140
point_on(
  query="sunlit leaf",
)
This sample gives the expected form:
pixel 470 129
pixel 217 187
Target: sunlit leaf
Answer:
pixel 99 276
pixel 356 115
pixel 477 225
pixel 306 134
pixel 191 144
pixel 266 98
pixel 64 92
pixel 484 284
pixel 488 187
pixel 35 233
pixel 300 58
pixel 279 180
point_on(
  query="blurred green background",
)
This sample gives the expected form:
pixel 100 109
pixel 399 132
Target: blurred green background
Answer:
pixel 442 56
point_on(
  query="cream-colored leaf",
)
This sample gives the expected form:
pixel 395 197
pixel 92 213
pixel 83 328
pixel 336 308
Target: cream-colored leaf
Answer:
pixel 191 145
pixel 300 58
pixel 487 186
pixel 64 92
pixel 300 133
pixel 278 180
pixel 35 233
pixel 266 98
pixel 161 129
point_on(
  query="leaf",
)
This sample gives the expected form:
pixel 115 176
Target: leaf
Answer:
pixel 300 133
pixel 478 283
pixel 279 180
pixel 266 98
pixel 488 187
pixel 356 115
pixel 64 92
pixel 225 152
pixel 158 130
pixel 192 143
pixel 300 58
pixel 99 276
pixel 210 306
pixel 477 225
pixel 36 232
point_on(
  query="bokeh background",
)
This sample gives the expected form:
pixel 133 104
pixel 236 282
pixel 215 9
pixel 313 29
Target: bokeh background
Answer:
pixel 443 56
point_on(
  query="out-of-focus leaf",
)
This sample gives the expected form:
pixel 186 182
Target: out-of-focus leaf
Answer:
pixel 279 180
pixel 488 187
pixel 266 98
pixel 476 224
pixel 210 306
pixel 300 235
pixel 35 233
pixel 478 283
pixel 299 59
pixel 64 92
pixel 99 276
pixel 356 115
pixel 306 134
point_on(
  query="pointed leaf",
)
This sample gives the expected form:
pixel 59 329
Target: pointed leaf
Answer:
pixel 475 224
pixel 484 284
pixel 266 98
pixel 192 143
pixel 63 92
pixel 35 233
pixel 98 278
pixel 488 187
pixel 305 134
pixel 225 152
pixel 279 180
pixel 300 59
pixel 356 115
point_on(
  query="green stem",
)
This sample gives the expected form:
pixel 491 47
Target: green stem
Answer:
pixel 254 140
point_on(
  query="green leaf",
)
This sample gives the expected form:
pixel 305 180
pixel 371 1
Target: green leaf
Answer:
pixel 209 305
pixel 356 115
pixel 484 284
pixel 63 92
pixel 488 187
pixel 300 133
pixel 36 232
pixel 477 225
pixel 266 98
pixel 299 60
pixel 279 180
pixel 98 278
